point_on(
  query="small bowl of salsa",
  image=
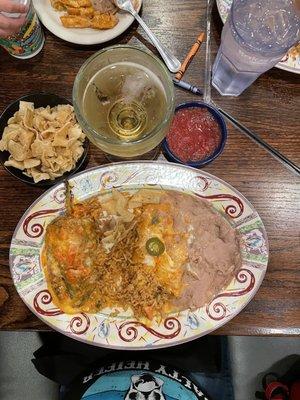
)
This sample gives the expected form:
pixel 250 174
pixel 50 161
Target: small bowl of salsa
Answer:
pixel 197 135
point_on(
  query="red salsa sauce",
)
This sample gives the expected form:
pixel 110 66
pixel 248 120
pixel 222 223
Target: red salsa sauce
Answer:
pixel 194 134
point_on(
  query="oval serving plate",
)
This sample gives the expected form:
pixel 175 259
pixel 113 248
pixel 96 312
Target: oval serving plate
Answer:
pixel 124 331
pixel 288 63
pixel 84 36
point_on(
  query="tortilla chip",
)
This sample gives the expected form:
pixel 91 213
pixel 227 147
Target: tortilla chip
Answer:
pixel 16 150
pixel 76 3
pixel 74 21
pixel 69 166
pixel 47 134
pixel 12 119
pixel 57 5
pixel 75 132
pixel 54 175
pixel 61 137
pixel 41 148
pixel 28 118
pixel 46 113
pixel 3 145
pixel 9 134
pixel 84 12
pixel 13 163
pixel 37 175
pixel 26 138
pixel 104 21
pixel 31 162
pixel 60 163
pixel 64 113
pixel 24 105
pixel 13 127
pixel 77 150
pixel 39 123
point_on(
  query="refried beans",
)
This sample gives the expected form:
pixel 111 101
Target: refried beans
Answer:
pixel 213 246
pixel 104 6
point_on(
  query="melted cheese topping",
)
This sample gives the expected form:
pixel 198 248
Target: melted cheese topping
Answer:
pixel 156 221
pixel 96 257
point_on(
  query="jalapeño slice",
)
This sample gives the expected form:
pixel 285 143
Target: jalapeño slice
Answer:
pixel 155 247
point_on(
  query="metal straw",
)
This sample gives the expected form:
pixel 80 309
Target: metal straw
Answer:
pixel 252 135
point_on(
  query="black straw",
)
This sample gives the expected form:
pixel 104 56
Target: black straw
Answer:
pixel 276 154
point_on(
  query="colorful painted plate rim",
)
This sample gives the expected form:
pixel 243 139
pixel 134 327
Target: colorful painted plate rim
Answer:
pixel 124 332
pixel 223 7
pixel 86 36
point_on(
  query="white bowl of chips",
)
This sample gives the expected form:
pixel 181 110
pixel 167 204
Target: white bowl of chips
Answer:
pixel 41 142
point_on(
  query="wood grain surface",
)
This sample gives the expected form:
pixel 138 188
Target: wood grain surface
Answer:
pixel 270 107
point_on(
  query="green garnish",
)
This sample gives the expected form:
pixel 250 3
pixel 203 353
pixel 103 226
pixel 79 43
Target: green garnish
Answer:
pixel 155 220
pixel 155 247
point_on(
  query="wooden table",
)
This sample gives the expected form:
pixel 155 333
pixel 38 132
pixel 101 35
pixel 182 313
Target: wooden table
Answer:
pixel 270 107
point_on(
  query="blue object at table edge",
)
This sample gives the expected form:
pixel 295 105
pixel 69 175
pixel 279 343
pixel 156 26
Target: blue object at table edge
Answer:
pixel 219 118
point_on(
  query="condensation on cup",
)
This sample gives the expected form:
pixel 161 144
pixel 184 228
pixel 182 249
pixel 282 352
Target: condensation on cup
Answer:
pixel 29 41
pixel 255 37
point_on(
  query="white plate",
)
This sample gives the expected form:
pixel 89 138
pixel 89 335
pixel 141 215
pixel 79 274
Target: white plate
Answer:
pixel 124 331
pixel 86 36
pixel 288 63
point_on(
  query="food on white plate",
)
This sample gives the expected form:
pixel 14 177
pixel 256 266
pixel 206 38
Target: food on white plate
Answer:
pixel 87 13
pixel 294 52
pixel 150 252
